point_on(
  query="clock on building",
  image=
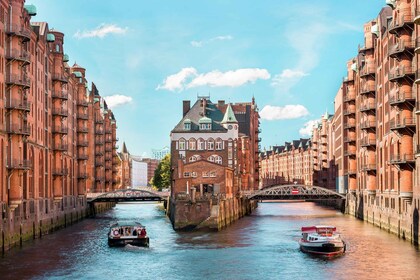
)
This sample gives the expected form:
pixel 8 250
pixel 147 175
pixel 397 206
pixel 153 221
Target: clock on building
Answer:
pixel 230 126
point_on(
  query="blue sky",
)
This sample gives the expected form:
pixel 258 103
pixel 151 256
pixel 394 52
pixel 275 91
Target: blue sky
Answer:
pixel 147 56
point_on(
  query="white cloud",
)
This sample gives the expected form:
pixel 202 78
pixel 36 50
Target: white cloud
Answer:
pixel 190 78
pixel 199 44
pixel 234 78
pixel 283 113
pixel 177 81
pixel 308 127
pixel 288 78
pixel 101 31
pixel 117 100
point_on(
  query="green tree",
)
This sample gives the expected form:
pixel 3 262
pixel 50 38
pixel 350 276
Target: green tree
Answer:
pixel 162 176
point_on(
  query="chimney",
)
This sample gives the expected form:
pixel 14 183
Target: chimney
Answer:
pixel 185 107
pixel 204 106
pixel 220 103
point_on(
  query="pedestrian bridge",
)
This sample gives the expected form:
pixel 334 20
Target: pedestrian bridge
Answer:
pixel 138 194
pixel 294 192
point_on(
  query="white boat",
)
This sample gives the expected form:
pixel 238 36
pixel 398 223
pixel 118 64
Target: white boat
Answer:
pixel 121 234
pixel 321 240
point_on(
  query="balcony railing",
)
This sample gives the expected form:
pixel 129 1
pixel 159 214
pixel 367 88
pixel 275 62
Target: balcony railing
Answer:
pixel 82 175
pixel 402 123
pixel 18 105
pixel 367 142
pixel 18 30
pixel 349 153
pixel 402 97
pixel 20 129
pixel 59 77
pixel 99 120
pixel 82 129
pixel 20 80
pixel 348 79
pixel 83 103
pixel 60 146
pixel 60 172
pixel 83 116
pixel 369 167
pixel 99 131
pixel 367 106
pixel 15 54
pixel 417 15
pixel 60 112
pixel 60 94
pixel 82 156
pixel 400 72
pixel 349 139
pixel 367 124
pixel 400 48
pixel 82 143
pixel 60 129
pixel 402 158
pixel 366 47
pixel 348 125
pixel 368 69
pixel 99 163
pixel 404 19
pixel 350 171
pixel 349 97
pixel 367 89
pixel 18 164
pixel 108 140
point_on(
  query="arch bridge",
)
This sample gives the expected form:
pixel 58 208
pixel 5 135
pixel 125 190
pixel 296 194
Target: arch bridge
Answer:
pixel 295 192
pixel 128 195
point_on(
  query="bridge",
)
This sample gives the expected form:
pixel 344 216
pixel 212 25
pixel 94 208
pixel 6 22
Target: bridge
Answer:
pixel 294 192
pixel 138 194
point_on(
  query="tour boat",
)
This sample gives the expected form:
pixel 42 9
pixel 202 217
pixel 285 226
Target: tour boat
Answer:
pixel 121 234
pixel 321 240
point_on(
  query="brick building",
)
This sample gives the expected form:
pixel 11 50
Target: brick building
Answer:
pixel 214 154
pixel 47 136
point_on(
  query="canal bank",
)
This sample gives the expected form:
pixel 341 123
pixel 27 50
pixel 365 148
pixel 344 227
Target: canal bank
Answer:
pixel 41 217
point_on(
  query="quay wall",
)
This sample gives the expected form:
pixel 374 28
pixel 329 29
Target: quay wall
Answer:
pixel 403 224
pixel 39 220
pixel 208 213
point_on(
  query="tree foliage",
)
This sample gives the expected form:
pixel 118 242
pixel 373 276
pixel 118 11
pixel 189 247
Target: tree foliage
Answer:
pixel 162 176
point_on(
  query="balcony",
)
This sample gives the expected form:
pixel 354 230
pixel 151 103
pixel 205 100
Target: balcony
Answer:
pixel 18 30
pixel 349 97
pixel 99 178
pixel 367 106
pixel 59 94
pixel 99 163
pixel 99 131
pixel 82 103
pixel 399 73
pixel 368 124
pixel 18 80
pixel 82 143
pixel 99 120
pixel 350 172
pixel 108 149
pixel 417 78
pixel 403 21
pixel 59 146
pixel 18 129
pixel 401 159
pixel 258 139
pixel 368 69
pixel 82 116
pixel 366 89
pixel 349 153
pixel 59 77
pixel 349 111
pixel 19 55
pixel 349 139
pixel 368 143
pixel 82 156
pixel 82 176
pixel 82 129
pixel 366 47
pixel 402 97
pixel 60 172
pixel 59 129
pixel 108 140
pixel 400 48
pixel 348 79
pixel 417 108
pixel 99 153
pixel 349 125
pixel 99 142
pixel 369 167
pixel 60 112
pixel 18 164
pixel 405 123
pixel 16 104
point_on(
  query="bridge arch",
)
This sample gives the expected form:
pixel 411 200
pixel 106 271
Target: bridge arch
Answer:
pixel 295 192
pixel 128 195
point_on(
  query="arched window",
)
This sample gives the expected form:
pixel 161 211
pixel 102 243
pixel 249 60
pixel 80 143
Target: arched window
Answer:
pixel 192 144
pixel 218 159
pixel 210 144
pixel 181 146
pixel 219 144
pixel 210 158
pixel 194 158
pixel 201 144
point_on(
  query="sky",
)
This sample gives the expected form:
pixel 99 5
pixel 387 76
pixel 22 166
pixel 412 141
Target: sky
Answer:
pixel 146 57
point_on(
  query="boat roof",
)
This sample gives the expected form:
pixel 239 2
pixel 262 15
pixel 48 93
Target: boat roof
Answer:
pixel 316 228
pixel 126 223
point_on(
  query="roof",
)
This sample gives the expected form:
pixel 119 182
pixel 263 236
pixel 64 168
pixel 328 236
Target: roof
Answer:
pixel 209 114
pixel 229 116
pixel 124 149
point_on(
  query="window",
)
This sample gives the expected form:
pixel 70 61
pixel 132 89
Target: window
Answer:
pixel 212 174
pixel 187 126
pixel 210 144
pixel 219 144
pixel 191 144
pixel 210 158
pixel 205 174
pixel 201 144
pixel 205 126
pixel 194 174
pixel 218 159
pixel 187 174
pixel 195 158
pixel 181 144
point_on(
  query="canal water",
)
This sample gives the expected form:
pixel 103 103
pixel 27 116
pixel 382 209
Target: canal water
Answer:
pixel 261 246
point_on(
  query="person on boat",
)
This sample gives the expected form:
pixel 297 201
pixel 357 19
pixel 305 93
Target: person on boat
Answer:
pixel 135 232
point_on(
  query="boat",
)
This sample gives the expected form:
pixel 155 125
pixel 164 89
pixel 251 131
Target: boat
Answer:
pixel 321 240
pixel 132 233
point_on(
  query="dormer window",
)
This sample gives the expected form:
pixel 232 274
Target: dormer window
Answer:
pixel 187 124
pixel 205 123
pixel 205 126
